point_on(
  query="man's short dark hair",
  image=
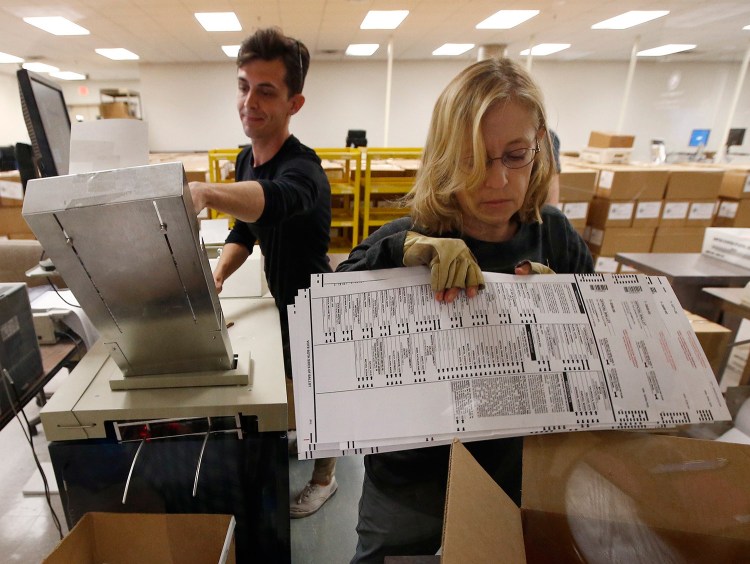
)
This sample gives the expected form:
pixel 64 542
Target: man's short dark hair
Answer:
pixel 270 44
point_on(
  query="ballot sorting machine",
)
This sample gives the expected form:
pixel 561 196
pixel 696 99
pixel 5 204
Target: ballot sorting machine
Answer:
pixel 167 412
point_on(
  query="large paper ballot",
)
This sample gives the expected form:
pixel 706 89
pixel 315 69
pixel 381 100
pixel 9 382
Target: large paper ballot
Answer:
pixel 379 365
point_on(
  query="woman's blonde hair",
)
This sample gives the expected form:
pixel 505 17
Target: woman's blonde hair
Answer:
pixel 455 133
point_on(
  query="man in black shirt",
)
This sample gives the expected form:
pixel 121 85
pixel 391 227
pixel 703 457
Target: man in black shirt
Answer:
pixel 281 200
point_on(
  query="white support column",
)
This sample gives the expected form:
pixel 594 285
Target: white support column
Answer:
pixel 530 56
pixel 498 50
pixel 721 153
pixel 388 81
pixel 628 84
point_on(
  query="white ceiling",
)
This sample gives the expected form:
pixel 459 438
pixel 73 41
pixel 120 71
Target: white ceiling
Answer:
pixel 165 31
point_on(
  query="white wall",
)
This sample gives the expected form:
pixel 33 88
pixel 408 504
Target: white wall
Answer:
pixel 192 107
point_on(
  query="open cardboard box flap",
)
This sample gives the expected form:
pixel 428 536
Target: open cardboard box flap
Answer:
pixel 148 538
pixel 604 496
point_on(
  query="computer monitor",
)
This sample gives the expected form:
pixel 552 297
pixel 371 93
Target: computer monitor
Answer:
pixel 736 137
pixel 47 122
pixel 699 137
pixel 356 138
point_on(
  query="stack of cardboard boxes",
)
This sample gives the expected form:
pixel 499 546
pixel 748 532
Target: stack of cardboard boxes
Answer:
pixel 577 188
pixel 12 224
pixel 734 198
pixel 608 148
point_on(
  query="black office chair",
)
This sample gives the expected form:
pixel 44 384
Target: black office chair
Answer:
pixel 356 138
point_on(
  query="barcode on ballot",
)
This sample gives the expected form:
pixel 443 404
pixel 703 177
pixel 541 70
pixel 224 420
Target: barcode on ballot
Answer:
pixel 633 289
pixel 598 287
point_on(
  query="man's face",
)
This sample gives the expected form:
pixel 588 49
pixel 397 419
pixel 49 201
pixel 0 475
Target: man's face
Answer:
pixel 263 99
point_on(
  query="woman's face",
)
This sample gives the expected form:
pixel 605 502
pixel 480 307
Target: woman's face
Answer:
pixel 487 211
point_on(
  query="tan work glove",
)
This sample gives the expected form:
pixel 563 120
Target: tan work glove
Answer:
pixel 528 267
pixel 453 264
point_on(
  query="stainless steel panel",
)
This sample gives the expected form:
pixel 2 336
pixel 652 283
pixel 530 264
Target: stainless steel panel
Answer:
pixel 126 243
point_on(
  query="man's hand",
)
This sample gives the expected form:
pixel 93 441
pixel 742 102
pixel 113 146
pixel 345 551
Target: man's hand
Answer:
pixel 528 267
pixel 452 263
pixel 198 195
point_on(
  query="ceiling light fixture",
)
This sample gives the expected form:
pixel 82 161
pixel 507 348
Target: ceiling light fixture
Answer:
pixel 448 49
pixel 362 49
pixel 665 50
pixel 5 58
pixel 68 75
pixel 39 67
pixel 231 50
pixel 546 49
pixel 219 21
pixel 57 25
pixel 506 19
pixel 630 19
pixel 383 19
pixel 118 54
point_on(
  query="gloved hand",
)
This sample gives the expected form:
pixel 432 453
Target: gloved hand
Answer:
pixel 529 267
pixel 452 263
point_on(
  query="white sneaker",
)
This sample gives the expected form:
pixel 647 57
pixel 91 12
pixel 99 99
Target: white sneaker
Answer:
pixel 312 498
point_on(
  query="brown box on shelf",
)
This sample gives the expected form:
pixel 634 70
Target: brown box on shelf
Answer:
pixel 613 240
pixel 701 213
pixel 678 239
pixel 11 221
pixel 576 212
pixel 117 110
pixel 674 214
pixel 735 184
pixel 626 182
pixel 607 140
pixel 732 213
pixel 647 213
pixel 714 339
pixel 11 190
pixel 692 183
pixel 577 184
pixel 610 213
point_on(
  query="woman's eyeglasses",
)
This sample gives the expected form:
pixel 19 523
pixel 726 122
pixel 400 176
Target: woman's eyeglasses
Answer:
pixel 517 158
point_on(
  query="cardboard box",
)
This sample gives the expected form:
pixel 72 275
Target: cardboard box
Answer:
pixel 577 213
pixel 622 182
pixel 606 264
pixel 135 538
pixel 735 184
pixel 117 110
pixel 11 221
pixel 701 213
pixel 196 175
pixel 678 239
pixel 714 339
pixel 728 244
pixel 607 140
pixel 689 183
pixel 605 156
pixel 577 184
pixel 608 496
pixel 647 213
pixel 674 214
pixel 11 189
pixel 732 213
pixel 608 213
pixel 613 240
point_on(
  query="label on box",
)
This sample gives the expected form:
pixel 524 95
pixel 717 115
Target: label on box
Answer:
pixel 596 236
pixel 648 210
pixel 747 183
pixel 605 264
pixel 675 210
pixel 701 210
pixel 587 233
pixel 560 206
pixel 11 190
pixel 728 209
pixel 622 210
pixel 606 177
pixel 576 210
pixel 625 269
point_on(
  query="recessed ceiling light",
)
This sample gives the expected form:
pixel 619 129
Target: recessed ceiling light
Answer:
pixel 39 67
pixel 5 58
pixel 448 49
pixel 383 19
pixel 118 54
pixel 506 19
pixel 57 25
pixel 219 21
pixel 68 75
pixel 630 19
pixel 746 27
pixel 231 50
pixel 665 50
pixel 546 49
pixel 362 49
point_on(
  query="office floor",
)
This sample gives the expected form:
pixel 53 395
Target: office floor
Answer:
pixel 28 533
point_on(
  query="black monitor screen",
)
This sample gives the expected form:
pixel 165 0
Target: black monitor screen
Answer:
pixel 735 137
pixel 47 122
